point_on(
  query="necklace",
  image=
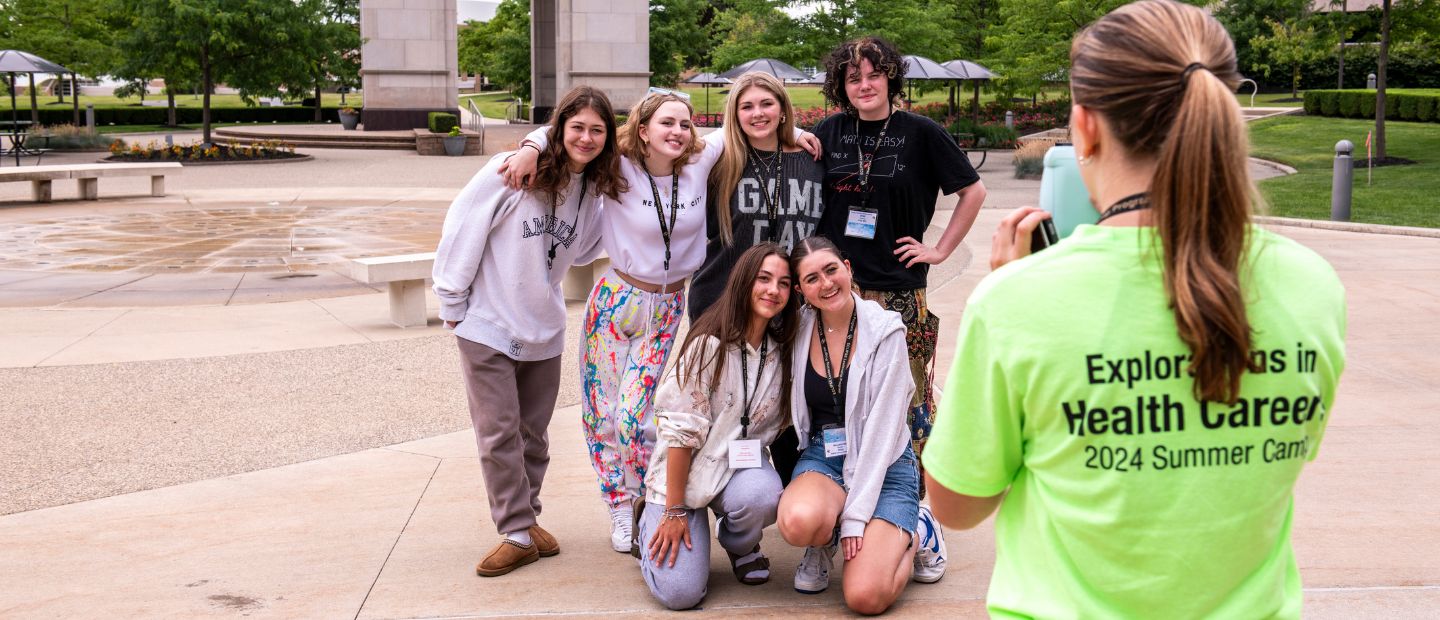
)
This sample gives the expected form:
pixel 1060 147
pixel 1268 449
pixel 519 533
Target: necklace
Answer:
pixel 772 197
pixel 868 159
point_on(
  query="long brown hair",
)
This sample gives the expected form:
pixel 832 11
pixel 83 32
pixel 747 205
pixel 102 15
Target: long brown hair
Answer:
pixel 640 114
pixel 727 319
pixel 727 172
pixel 1163 75
pixel 552 172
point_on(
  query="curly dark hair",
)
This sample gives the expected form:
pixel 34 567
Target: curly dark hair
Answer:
pixel 884 56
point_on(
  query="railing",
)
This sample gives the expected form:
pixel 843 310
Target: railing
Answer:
pixel 477 121
pixel 1256 88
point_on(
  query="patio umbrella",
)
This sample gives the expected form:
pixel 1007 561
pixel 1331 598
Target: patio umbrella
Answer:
pixel 920 68
pixel 16 61
pixel 767 65
pixel 969 71
pixel 707 79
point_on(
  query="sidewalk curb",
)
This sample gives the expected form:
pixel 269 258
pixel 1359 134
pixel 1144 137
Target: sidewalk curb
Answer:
pixel 1273 165
pixel 1374 229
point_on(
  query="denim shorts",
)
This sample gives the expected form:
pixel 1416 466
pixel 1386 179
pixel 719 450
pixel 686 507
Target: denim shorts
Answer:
pixel 899 501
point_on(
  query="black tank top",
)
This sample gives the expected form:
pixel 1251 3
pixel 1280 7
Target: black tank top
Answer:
pixel 824 411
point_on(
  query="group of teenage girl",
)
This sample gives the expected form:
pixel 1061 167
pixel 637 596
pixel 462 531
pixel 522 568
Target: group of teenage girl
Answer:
pixel 801 395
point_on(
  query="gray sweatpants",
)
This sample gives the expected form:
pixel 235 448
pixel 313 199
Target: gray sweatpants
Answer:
pixel 511 403
pixel 745 507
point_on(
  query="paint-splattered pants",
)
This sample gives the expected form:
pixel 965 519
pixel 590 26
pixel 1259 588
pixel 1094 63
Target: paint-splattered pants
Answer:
pixel 626 339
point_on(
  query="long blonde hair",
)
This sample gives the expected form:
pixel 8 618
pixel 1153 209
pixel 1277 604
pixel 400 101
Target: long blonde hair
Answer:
pixel 727 172
pixel 633 147
pixel 1163 75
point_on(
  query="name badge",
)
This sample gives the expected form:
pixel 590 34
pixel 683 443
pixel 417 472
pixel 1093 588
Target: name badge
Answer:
pixel 861 223
pixel 745 453
pixel 834 439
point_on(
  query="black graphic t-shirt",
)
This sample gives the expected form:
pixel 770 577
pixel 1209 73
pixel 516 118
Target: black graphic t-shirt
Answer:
pixel 797 217
pixel 916 162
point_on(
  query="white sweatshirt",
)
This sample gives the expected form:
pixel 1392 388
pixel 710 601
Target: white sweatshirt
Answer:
pixel 490 269
pixel 632 227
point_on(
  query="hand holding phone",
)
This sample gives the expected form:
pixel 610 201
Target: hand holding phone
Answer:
pixel 1016 236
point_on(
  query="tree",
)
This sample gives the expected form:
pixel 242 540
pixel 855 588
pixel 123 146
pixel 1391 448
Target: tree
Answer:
pixel 73 33
pixel 146 52
pixel 1245 20
pixel 753 29
pixel 333 48
pixel 674 29
pixel 254 46
pixel 1291 43
pixel 500 48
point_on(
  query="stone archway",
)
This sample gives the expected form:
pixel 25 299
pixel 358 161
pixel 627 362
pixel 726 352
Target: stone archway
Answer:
pixel 408 64
pixel 603 43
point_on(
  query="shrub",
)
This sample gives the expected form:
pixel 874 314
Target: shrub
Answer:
pixel 1367 106
pixel 1406 106
pixel 442 122
pixel 1425 108
pixel 1329 103
pixel 71 138
pixel 1030 157
pixel 1349 104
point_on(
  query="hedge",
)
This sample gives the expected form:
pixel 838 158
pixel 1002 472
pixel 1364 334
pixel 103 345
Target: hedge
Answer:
pixel 185 116
pixel 1399 106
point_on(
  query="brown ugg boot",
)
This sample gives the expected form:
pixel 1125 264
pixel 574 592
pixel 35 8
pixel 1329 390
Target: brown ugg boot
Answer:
pixel 544 541
pixel 505 557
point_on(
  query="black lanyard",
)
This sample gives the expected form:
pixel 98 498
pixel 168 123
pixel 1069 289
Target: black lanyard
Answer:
pixel 665 230
pixel 555 232
pixel 1127 204
pixel 866 161
pixel 831 380
pixel 745 382
pixel 772 203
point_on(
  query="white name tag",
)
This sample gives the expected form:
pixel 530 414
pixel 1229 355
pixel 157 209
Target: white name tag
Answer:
pixel 861 223
pixel 745 453
pixel 835 442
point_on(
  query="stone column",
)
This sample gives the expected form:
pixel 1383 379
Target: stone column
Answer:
pixel 409 63
pixel 603 43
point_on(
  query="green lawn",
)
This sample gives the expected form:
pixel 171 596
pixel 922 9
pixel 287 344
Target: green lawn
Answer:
pixel 1398 195
pixel 1268 100
pixel 47 102
pixel 492 105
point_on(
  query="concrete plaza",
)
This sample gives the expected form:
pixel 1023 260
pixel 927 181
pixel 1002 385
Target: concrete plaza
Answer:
pixel 213 443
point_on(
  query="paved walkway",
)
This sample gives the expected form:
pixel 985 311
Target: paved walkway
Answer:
pixel 362 495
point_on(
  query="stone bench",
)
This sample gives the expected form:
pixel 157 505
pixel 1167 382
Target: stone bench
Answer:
pixel 88 176
pixel 405 276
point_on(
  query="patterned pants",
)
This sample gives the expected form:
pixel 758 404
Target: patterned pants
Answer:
pixel 626 339
pixel 922 329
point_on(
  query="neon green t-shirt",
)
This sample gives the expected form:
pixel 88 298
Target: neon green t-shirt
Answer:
pixel 1127 496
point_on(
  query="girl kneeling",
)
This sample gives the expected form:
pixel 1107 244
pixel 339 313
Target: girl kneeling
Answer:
pixel 716 411
pixel 851 391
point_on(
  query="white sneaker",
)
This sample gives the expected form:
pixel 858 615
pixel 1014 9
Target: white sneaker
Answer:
pixel 930 557
pixel 621 518
pixel 813 574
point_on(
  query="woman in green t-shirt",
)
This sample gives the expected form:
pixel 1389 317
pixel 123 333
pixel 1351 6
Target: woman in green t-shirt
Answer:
pixel 1139 400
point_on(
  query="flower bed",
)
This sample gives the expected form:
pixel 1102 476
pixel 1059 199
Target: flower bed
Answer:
pixel 198 152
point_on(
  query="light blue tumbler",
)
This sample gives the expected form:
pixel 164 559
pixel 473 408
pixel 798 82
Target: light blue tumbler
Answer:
pixel 1062 191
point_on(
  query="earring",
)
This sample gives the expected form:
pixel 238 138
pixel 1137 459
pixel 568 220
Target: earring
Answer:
pixel 1085 161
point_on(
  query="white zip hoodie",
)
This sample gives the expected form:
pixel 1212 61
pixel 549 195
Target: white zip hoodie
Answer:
pixel 877 397
pixel 490 270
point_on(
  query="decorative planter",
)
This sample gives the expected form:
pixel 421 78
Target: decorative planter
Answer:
pixel 349 121
pixel 454 145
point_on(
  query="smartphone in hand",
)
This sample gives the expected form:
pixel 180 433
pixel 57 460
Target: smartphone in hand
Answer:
pixel 1044 235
